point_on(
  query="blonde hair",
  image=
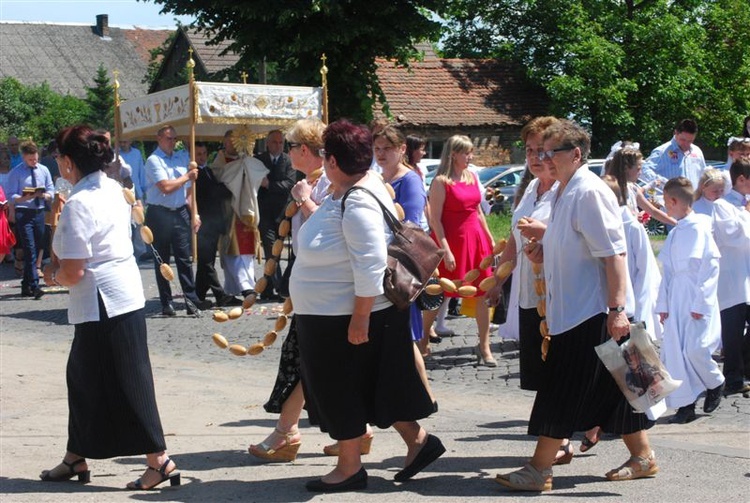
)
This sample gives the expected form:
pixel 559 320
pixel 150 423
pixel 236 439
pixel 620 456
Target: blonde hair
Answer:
pixel 456 144
pixel 307 132
pixel 681 189
pixel 708 178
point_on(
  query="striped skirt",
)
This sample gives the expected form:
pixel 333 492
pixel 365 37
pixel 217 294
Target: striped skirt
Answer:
pixel 111 400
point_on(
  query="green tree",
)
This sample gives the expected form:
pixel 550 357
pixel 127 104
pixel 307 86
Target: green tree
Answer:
pixel 101 101
pixel 36 112
pixel 292 35
pixel 626 69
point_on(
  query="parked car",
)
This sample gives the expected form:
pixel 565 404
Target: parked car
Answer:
pixel 502 188
pixel 597 166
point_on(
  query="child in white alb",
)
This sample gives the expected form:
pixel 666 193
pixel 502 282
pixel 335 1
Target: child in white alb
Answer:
pixel 688 305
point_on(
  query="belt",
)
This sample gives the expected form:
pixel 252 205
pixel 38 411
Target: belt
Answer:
pixel 29 209
pixel 159 206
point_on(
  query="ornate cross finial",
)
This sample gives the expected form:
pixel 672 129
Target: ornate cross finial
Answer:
pixel 190 63
pixel 244 77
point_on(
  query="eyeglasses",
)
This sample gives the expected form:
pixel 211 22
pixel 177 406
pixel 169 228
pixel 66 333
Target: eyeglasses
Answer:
pixel 322 152
pixel 293 145
pixel 549 154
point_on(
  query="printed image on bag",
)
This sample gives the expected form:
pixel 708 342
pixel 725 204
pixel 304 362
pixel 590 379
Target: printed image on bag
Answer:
pixel 637 370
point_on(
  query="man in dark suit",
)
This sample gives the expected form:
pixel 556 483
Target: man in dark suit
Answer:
pixel 213 199
pixel 272 200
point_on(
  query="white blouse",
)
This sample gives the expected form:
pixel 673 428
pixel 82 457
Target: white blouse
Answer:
pixel 585 226
pixel 95 225
pixel 340 258
pixel 539 209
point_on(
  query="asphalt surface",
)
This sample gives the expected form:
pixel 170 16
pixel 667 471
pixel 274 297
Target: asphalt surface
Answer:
pixel 211 407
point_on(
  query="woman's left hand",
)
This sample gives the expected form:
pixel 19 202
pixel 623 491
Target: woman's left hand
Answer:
pixel 618 325
pixel 359 328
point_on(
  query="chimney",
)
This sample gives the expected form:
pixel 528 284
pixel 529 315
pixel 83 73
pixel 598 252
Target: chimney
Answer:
pixel 102 25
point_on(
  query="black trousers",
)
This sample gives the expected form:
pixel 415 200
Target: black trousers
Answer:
pixel 205 272
pixel 736 343
pixel 171 230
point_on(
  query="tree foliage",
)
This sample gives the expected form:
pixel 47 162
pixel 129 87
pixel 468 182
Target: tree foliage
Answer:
pixel 293 34
pixel 625 68
pixel 36 112
pixel 101 101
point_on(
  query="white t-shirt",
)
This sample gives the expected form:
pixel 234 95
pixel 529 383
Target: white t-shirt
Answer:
pixel 585 226
pixel 340 258
pixel 95 225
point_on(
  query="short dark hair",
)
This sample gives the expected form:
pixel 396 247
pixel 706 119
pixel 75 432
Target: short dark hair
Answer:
pixel 413 143
pixel 687 126
pixel 740 167
pixel 350 144
pixel 29 147
pixel 88 149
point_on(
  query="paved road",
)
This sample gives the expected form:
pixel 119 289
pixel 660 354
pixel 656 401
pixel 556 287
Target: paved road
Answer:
pixel 211 407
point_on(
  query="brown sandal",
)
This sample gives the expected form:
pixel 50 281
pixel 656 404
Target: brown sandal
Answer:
pixel 636 467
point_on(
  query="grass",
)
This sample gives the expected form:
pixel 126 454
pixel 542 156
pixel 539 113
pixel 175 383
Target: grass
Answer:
pixel 499 225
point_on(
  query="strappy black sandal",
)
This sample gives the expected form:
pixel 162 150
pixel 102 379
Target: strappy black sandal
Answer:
pixel 84 477
pixel 173 477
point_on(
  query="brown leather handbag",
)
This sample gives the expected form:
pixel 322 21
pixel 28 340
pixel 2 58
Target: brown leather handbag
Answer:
pixel 412 257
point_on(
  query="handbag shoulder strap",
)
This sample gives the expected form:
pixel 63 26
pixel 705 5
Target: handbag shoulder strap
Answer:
pixel 390 218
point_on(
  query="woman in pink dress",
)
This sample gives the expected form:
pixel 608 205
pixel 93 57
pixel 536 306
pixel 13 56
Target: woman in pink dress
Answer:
pixel 459 228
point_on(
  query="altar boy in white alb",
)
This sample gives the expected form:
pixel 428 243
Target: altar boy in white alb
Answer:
pixel 688 305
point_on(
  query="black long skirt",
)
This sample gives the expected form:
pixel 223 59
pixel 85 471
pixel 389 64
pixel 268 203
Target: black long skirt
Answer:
pixel 530 349
pixel 111 400
pixel 347 386
pixel 578 392
pixel 289 374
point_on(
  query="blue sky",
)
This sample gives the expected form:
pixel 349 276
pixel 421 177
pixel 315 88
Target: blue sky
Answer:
pixel 121 12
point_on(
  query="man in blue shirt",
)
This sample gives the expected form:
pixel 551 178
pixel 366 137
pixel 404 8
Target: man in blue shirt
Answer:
pixel 677 157
pixel 30 186
pixel 15 156
pixel 134 159
pixel 168 217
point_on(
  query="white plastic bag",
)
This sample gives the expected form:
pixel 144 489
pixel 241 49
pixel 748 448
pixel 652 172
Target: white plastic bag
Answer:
pixel 639 373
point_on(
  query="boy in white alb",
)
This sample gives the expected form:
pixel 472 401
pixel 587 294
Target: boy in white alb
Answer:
pixel 688 305
pixel 731 226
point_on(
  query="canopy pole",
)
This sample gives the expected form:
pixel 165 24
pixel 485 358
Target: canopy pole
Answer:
pixel 324 78
pixel 193 164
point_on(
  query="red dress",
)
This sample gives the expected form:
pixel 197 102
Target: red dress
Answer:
pixel 7 239
pixel 463 230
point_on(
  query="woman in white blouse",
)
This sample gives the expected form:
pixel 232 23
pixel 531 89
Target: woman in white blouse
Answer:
pixel 111 398
pixel 355 347
pixel 586 282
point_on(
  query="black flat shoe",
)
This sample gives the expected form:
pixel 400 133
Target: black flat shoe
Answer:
pixel 84 477
pixel 684 415
pixel 356 482
pixel 713 398
pixel 168 310
pixel 433 448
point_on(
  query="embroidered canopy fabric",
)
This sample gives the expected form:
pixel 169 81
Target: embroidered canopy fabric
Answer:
pixel 219 106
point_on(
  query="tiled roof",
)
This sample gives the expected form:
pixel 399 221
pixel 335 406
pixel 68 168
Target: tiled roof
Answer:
pixel 145 40
pixel 459 93
pixel 67 56
pixel 210 55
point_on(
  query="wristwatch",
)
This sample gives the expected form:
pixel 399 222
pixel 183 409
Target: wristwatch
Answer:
pixel 617 309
